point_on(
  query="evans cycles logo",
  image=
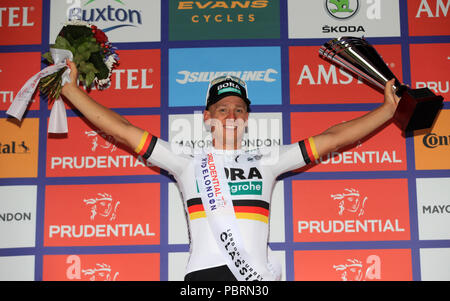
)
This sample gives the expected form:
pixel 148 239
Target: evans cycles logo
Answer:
pixel 123 20
pixel 350 210
pixel 203 20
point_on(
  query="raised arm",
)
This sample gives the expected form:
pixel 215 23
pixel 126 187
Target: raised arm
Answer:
pixel 349 132
pixel 103 118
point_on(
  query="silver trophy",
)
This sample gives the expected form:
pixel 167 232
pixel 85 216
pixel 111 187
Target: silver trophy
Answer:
pixel 417 108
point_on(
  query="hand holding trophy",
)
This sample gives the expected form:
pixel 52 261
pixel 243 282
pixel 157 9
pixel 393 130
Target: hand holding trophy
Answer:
pixel 417 108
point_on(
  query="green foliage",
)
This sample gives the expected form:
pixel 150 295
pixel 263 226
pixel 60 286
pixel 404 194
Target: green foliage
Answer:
pixel 87 55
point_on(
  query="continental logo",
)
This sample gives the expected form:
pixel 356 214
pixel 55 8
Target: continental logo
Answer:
pixel 433 140
pixel 14 147
pixel 19 148
pixel 431 149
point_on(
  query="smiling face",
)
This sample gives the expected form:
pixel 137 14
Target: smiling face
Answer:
pixel 227 119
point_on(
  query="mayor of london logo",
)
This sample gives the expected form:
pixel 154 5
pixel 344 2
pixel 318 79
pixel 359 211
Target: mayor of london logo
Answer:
pixel 342 9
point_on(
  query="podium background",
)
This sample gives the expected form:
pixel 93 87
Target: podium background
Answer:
pixel 53 189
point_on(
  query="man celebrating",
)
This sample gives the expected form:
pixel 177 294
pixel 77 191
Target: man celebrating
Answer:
pixel 227 191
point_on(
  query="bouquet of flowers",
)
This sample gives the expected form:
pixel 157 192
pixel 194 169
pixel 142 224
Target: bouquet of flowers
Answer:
pixel 95 57
pixel 93 54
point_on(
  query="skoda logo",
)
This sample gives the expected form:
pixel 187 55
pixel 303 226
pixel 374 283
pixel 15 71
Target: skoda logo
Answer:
pixel 342 9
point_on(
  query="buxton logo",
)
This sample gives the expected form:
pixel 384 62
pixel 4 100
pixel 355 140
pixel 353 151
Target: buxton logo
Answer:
pixel 128 17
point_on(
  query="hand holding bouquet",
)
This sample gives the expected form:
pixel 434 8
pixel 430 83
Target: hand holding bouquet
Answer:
pixel 88 47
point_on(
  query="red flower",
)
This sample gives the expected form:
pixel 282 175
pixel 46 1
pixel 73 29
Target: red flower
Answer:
pixel 100 36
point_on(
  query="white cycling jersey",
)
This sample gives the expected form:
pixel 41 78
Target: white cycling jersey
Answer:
pixel 251 177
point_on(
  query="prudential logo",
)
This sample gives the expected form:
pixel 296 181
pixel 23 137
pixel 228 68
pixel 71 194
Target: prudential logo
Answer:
pixel 125 16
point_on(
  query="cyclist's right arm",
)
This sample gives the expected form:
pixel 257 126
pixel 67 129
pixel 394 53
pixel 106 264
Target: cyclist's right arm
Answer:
pixel 100 116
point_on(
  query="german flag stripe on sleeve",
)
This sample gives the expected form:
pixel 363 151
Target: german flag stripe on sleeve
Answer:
pixel 309 151
pixel 245 209
pixel 146 145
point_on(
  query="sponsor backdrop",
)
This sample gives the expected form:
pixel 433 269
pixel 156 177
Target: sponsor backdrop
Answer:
pixel 83 207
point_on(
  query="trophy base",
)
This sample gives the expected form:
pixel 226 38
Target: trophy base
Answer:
pixel 417 109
